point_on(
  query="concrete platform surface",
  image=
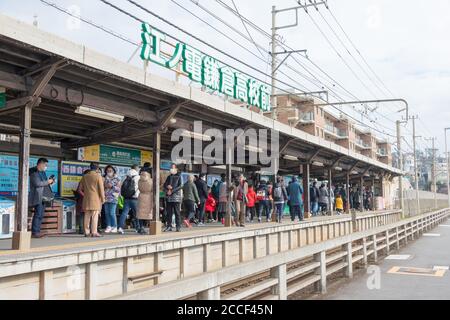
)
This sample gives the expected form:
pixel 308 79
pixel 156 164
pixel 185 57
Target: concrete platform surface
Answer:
pixel 377 283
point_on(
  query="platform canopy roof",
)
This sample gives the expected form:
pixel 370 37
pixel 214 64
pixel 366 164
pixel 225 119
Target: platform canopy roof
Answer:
pixel 88 78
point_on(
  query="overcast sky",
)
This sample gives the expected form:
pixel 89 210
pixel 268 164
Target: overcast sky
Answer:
pixel 405 44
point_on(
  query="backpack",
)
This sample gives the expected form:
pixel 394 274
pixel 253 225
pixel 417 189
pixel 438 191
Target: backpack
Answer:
pixel 261 194
pixel 216 189
pixel 277 194
pixel 128 188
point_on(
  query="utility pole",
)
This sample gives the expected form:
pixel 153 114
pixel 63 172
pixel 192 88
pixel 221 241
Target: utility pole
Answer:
pixel 400 164
pixel 416 174
pixel 448 166
pixel 274 62
pixel 433 170
pixel 274 54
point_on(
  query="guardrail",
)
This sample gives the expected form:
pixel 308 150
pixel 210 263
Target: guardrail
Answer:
pixel 325 258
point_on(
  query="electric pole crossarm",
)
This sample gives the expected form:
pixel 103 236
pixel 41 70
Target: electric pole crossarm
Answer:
pixel 367 101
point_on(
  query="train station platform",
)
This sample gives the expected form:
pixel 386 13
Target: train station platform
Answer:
pixel 419 271
pixel 53 244
pixel 113 265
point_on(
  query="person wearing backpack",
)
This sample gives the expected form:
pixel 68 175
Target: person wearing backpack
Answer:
pixel 295 192
pixel 130 193
pixel 262 196
pixel 172 188
pixel 279 198
pixel 112 193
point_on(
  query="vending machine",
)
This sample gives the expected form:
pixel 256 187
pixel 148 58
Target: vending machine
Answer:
pixel 69 224
pixel 7 211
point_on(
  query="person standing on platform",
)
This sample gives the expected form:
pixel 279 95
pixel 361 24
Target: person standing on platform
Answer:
pixel 323 199
pixel 112 193
pixel 262 196
pixel 223 199
pixel 172 188
pixel 295 192
pixel 147 168
pixel 210 206
pixel 94 196
pixel 130 193
pixel 202 189
pixel 339 205
pixel 145 200
pixel 280 197
pixel 78 195
pixel 314 198
pixel 241 200
pixel 190 200
pixel 40 188
pixel 251 204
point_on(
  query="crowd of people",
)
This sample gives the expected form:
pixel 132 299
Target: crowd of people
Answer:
pixel 104 196
pixel 321 197
pixel 250 199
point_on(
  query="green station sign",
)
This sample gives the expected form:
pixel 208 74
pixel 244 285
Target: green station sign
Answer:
pixel 2 97
pixel 206 70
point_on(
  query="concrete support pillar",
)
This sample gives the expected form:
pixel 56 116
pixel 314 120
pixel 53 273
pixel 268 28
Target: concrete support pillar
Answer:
pixel 364 250
pixel 91 281
pixel 242 250
pixel 330 188
pixel 362 193
pixel 155 224
pixel 349 259
pixel 388 243
pixel 306 179
pixel 397 238
pixel 373 194
pixel 225 253
pixel 228 217
pixel 321 285
pixel 157 264
pixel 280 289
pixel 184 261
pixel 125 268
pixel 210 294
pixel 206 256
pixel 374 246
pixel 45 280
pixel 405 233
pixel 347 191
pixel 21 236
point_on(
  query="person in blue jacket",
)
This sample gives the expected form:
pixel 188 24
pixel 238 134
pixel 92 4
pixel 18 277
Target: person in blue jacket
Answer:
pixel 295 192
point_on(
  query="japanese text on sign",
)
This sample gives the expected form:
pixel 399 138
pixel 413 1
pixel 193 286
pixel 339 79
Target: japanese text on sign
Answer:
pixel 206 70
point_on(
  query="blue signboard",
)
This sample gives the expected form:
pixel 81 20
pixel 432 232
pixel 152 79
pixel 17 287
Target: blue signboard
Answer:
pixel 9 174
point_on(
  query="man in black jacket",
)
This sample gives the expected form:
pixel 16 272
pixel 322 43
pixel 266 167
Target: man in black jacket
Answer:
pixel 314 198
pixel 39 188
pixel 172 188
pixel 202 189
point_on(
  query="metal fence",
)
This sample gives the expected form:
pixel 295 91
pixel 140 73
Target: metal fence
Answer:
pixel 278 278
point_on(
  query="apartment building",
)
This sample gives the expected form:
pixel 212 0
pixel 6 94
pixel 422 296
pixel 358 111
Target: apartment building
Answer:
pixel 320 121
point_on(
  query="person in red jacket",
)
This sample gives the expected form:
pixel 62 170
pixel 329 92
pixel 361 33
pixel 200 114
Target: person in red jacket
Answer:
pixel 210 206
pixel 251 200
